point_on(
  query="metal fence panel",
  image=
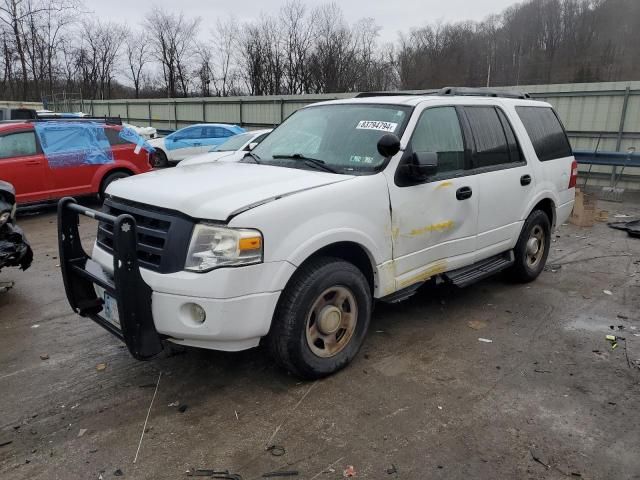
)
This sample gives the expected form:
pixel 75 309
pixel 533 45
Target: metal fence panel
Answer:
pixel 606 114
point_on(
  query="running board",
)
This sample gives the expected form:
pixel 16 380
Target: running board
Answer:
pixel 403 294
pixel 467 275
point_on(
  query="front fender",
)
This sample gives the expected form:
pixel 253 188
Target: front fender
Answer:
pixel 107 168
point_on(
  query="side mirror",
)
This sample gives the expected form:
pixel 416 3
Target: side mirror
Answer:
pixel 423 164
pixel 251 146
pixel 388 145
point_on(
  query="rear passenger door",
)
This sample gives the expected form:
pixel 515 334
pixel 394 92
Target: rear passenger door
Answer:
pixel 506 183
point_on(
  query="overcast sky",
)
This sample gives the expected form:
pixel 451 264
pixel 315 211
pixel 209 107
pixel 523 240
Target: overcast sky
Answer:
pixel 392 15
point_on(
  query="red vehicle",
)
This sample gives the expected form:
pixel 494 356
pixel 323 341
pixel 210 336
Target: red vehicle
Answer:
pixel 24 164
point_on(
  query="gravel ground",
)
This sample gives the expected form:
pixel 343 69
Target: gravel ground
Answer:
pixel 547 398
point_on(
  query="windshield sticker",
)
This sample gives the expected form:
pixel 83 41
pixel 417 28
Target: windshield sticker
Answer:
pixel 359 159
pixel 377 125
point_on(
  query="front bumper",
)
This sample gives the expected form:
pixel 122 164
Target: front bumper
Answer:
pixel 238 302
pixel 80 273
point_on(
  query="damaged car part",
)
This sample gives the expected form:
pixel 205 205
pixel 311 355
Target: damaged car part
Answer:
pixel 15 251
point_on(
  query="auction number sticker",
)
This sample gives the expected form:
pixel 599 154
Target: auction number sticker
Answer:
pixel 376 125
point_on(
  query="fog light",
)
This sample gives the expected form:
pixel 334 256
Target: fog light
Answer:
pixel 197 313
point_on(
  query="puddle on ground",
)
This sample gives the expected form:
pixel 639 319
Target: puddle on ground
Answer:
pixel 591 322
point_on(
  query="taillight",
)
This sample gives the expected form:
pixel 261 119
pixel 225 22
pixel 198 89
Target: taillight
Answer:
pixel 574 174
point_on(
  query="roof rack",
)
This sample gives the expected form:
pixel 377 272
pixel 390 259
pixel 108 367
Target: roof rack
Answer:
pixel 395 93
pixel 482 92
pixel 106 120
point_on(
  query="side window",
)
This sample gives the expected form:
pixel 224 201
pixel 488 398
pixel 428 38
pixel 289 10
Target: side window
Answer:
pixel 489 137
pixel 113 136
pixel 546 132
pixel 515 153
pixel 438 130
pixel 188 133
pixel 18 145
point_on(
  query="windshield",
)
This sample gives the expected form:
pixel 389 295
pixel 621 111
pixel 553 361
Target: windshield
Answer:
pixel 234 143
pixel 343 136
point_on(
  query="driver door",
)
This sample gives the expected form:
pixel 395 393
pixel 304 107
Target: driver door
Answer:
pixel 184 143
pixel 434 220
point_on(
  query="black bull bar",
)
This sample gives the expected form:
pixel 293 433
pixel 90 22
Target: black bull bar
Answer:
pixel 80 273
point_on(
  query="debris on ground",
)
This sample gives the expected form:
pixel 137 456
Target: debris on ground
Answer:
pixel 349 472
pixel 276 450
pixel 118 473
pixel 101 366
pixel 5 443
pixel 552 268
pixel 391 470
pixel 44 356
pixel 174 404
pixel 476 324
pixel 6 286
pixel 485 340
pixel 281 473
pixel 82 432
pixel 536 458
pixel 632 227
pixel 183 408
pixel 205 472
pixel 607 292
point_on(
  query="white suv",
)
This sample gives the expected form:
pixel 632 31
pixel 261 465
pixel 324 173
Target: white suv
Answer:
pixel 347 202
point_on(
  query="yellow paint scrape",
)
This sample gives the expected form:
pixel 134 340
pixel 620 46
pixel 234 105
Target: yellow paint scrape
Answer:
pixel 445 184
pixel 435 269
pixel 435 227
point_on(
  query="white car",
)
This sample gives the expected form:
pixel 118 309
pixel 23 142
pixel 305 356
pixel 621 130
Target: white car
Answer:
pixel 346 203
pixel 230 151
pixel 190 141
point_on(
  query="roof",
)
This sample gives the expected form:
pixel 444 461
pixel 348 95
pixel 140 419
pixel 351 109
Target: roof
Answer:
pixel 413 100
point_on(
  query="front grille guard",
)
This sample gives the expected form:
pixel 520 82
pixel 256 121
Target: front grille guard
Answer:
pixel 80 273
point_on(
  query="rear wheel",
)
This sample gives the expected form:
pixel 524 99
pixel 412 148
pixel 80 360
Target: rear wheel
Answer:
pixel 109 179
pixel 321 319
pixel 532 249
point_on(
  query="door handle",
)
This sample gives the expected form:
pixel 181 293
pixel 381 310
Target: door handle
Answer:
pixel 525 180
pixel 463 193
pixel 197 144
pixel 33 162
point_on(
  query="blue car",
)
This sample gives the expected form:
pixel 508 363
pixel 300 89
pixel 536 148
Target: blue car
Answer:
pixel 191 140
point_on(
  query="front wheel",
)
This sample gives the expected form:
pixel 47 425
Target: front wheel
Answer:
pixel 109 179
pixel 532 249
pixel 159 159
pixel 322 318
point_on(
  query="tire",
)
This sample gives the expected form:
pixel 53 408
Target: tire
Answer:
pixel 531 256
pixel 112 177
pixel 159 159
pixel 309 313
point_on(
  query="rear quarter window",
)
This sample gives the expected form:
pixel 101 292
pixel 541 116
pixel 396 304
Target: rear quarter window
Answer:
pixel 546 132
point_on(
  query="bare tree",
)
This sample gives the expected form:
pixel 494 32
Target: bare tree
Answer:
pixel 138 56
pixel 226 34
pixel 172 38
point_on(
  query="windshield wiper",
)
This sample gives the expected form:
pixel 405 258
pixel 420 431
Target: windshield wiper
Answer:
pixel 321 164
pixel 253 156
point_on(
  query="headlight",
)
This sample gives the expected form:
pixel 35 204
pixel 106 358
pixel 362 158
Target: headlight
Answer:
pixel 212 247
pixel 4 217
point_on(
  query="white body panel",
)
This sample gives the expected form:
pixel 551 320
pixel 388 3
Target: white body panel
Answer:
pixel 409 233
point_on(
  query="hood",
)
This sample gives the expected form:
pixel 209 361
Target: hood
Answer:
pixel 206 158
pixel 156 142
pixel 219 190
